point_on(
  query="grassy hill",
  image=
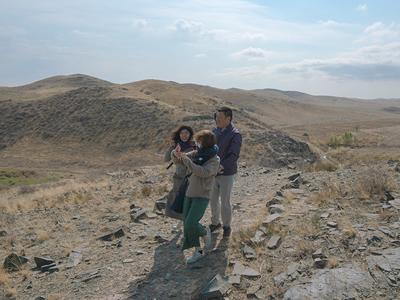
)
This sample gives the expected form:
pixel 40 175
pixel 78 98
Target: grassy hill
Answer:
pixel 80 122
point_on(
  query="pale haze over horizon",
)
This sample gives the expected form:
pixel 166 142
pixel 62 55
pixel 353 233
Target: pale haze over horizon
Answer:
pixel 336 48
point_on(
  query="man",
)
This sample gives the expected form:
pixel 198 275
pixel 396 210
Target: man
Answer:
pixel 229 141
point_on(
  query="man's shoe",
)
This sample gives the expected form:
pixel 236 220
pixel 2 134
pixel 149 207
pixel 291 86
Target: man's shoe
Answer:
pixel 227 232
pixel 196 256
pixel 207 238
pixel 215 227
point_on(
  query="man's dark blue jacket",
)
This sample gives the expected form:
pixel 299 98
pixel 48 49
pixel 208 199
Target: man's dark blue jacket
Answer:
pixel 229 141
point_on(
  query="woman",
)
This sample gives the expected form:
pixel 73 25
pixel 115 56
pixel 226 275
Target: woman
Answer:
pixel 182 136
pixel 203 164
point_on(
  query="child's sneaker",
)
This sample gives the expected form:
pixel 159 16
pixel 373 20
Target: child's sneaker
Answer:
pixel 196 256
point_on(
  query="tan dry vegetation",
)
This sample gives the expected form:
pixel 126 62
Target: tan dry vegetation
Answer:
pixel 100 127
pixel 87 123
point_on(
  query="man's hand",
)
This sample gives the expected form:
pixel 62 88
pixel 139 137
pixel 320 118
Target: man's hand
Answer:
pixel 220 168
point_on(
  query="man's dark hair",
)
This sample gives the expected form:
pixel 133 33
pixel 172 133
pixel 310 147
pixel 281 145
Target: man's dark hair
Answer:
pixel 227 111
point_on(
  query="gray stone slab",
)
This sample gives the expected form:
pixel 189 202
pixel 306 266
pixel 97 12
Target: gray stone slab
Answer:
pixel 111 236
pixel 395 203
pixel 332 284
pixel 234 279
pixel 217 287
pixel 274 242
pixel 393 257
pixel 258 237
pixel 297 191
pixel 41 261
pixel 277 209
pixel 73 259
pixel 249 252
pixel 271 218
pixel 387 231
pixel 240 269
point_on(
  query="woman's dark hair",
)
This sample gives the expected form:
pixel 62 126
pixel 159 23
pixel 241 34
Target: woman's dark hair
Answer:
pixel 206 138
pixel 175 135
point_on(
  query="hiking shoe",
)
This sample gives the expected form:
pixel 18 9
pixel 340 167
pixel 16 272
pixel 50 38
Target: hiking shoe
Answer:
pixel 215 227
pixel 196 256
pixel 227 232
pixel 207 237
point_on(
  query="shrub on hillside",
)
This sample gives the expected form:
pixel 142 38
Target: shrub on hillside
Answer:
pixel 374 180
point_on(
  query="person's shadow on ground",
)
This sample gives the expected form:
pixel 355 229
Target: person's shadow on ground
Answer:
pixel 172 278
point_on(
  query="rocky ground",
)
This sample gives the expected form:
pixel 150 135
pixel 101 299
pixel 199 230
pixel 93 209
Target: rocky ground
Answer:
pixel 297 235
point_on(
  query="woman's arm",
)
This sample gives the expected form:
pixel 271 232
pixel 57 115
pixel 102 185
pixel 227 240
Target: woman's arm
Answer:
pixel 207 170
pixel 167 154
pixel 176 160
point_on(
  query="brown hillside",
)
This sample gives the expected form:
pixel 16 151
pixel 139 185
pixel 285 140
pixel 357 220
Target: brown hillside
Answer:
pixel 125 125
pixel 78 121
pixel 50 86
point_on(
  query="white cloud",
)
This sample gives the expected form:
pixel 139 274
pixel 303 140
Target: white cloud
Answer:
pixel 253 54
pixel 328 23
pixel 200 55
pixel 184 26
pixel 379 32
pixel 87 34
pixel 362 7
pixel 8 31
pixel 255 36
pixel 372 63
pixel 140 24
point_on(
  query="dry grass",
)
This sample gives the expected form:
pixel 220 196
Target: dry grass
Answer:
pixel 59 195
pixel 289 196
pixel 3 276
pixel 351 157
pixel 388 216
pixel 25 274
pixel 302 250
pixel 374 180
pixel 244 235
pixel 146 190
pixel 327 192
pixel 42 235
pixel 163 188
pixel 10 292
pixel 333 262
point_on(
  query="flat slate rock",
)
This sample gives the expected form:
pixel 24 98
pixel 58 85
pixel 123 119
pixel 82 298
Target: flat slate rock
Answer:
pixel 333 284
pixel 276 209
pixel 297 191
pixel 74 259
pixel 271 218
pixel 41 261
pixel 258 237
pixel 274 242
pixel 240 269
pixel 217 287
pixel 111 236
pixel 249 252
pixel 14 261
pixel 395 203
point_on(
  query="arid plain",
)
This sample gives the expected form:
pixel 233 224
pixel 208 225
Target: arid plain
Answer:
pixel 80 157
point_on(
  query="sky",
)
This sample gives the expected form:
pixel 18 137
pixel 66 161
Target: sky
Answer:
pixel 338 48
